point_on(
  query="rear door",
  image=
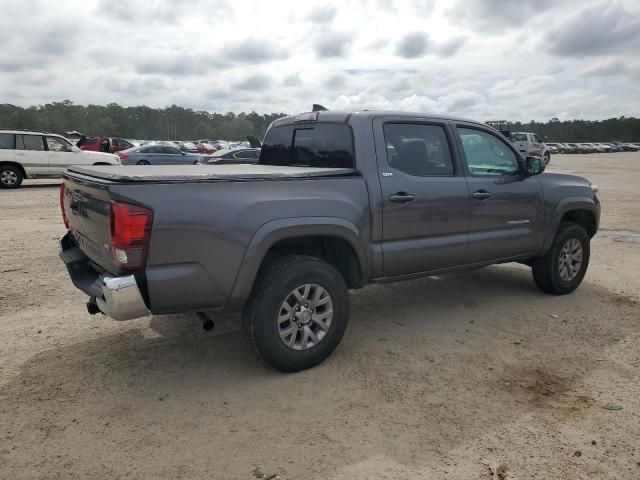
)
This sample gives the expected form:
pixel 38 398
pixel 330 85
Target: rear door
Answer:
pixel 31 154
pixel 507 210
pixel 426 206
pixel 61 154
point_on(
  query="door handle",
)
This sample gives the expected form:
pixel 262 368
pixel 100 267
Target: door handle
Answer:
pixel 481 195
pixel 402 197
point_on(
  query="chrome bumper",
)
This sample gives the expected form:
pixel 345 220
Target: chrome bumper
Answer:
pixel 116 297
pixel 121 298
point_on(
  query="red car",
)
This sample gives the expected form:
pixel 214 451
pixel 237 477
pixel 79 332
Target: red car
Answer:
pixel 205 148
pixel 104 144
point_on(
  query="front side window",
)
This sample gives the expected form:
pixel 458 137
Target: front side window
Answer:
pixel 171 151
pixel 32 142
pixel 537 139
pixel 486 155
pixel 519 137
pixel 418 149
pixel 55 144
pixel 7 141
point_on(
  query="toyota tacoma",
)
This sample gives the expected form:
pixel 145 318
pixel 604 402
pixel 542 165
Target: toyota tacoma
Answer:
pixel 337 200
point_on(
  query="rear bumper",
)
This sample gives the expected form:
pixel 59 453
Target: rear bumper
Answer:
pixel 116 297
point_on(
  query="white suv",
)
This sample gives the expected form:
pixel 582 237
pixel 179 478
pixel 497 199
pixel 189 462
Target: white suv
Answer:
pixel 26 154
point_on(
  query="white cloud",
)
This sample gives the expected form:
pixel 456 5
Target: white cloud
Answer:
pixel 521 60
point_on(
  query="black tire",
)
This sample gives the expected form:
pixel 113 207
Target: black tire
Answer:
pixel 546 270
pixel 10 176
pixel 547 158
pixel 143 162
pixel 273 286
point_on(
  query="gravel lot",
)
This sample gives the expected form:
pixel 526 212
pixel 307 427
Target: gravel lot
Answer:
pixel 444 377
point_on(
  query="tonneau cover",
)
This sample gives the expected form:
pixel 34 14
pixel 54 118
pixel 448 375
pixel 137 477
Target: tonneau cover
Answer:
pixel 176 173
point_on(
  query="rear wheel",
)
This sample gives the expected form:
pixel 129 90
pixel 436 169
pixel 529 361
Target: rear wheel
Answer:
pixel 547 158
pixel 10 176
pixel 297 313
pixel 143 162
pixel 564 266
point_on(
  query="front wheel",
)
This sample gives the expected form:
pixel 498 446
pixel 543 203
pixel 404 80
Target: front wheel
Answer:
pixel 564 266
pixel 143 162
pixel 10 176
pixel 547 158
pixel 297 314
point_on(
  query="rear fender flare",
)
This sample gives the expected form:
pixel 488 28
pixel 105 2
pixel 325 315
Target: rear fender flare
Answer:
pixel 274 231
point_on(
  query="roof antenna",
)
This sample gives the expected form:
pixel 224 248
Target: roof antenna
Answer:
pixel 319 108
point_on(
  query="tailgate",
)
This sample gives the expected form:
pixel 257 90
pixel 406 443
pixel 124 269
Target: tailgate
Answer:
pixel 87 206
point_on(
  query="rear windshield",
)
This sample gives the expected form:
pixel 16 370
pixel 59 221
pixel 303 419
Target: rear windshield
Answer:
pixel 327 145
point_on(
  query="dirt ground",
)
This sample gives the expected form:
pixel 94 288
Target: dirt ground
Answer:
pixel 444 377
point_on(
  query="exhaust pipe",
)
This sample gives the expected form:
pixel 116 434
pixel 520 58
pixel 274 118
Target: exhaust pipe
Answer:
pixel 207 323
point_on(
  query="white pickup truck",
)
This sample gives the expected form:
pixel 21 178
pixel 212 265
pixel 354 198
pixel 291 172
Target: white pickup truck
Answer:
pixel 30 154
pixel 530 145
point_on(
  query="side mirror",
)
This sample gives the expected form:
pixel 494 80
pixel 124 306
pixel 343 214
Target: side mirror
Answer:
pixel 533 166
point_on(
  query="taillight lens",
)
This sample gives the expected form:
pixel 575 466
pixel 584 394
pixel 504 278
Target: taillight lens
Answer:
pixel 130 233
pixel 64 215
pixel 123 155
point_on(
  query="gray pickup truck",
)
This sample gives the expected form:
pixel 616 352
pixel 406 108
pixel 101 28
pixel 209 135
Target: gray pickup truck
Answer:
pixel 337 201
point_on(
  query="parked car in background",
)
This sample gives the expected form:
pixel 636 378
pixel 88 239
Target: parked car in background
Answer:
pixel 157 154
pixel 588 148
pixel 627 147
pixel 104 144
pixel 565 148
pixel 205 148
pixel 243 155
pixel 577 148
pixel 610 148
pixel 529 144
pixel 554 148
pixel 186 146
pixel 30 154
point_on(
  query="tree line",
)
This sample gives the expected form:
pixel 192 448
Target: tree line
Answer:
pixel 142 122
pixel 178 123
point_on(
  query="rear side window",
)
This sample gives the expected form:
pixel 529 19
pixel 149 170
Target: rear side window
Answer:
pixel 29 142
pixel 328 145
pixel 418 149
pixel 519 137
pixel 7 141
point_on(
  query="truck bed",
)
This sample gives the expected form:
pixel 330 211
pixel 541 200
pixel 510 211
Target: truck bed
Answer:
pixel 191 173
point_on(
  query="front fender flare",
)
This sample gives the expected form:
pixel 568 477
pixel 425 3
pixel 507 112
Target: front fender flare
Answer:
pixel 565 205
pixel 276 230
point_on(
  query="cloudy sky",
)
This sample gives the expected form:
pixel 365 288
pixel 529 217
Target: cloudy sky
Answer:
pixel 521 60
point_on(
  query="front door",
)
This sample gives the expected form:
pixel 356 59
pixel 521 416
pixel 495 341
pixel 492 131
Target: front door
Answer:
pixel 425 199
pixel 507 209
pixel 61 155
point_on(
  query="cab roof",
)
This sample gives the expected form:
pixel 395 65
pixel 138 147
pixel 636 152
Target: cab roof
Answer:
pixel 337 116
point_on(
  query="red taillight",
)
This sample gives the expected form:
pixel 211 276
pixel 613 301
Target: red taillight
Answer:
pixel 123 155
pixel 130 233
pixel 64 215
